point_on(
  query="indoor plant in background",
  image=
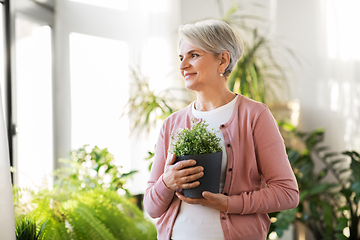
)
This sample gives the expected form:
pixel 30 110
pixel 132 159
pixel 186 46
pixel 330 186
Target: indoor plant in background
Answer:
pixel 90 167
pixel 263 70
pixel 29 229
pixel 204 147
pixel 85 202
pixel 328 208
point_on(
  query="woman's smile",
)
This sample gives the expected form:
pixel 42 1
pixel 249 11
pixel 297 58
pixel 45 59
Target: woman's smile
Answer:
pixel 188 75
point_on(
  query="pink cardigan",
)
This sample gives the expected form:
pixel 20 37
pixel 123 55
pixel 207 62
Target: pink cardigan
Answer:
pixel 259 178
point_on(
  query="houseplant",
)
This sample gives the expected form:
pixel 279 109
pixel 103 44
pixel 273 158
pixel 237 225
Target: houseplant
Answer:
pixel 204 147
pixel 90 167
pixel 327 209
pixel 263 70
pixel 94 213
pixel 84 203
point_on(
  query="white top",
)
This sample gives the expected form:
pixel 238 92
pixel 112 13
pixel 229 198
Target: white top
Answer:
pixel 196 221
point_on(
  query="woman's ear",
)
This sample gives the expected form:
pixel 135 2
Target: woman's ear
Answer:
pixel 224 61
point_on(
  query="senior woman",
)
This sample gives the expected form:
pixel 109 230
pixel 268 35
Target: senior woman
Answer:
pixel 256 177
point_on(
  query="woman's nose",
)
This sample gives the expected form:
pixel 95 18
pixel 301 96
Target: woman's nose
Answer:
pixel 184 64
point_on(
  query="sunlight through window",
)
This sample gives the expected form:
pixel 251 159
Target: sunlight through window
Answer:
pixel 155 55
pixel 121 5
pixel 34 139
pixel 342 29
pixel 156 5
pixel 99 74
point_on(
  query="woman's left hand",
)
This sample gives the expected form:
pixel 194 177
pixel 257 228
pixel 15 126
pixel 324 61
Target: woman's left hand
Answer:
pixel 214 200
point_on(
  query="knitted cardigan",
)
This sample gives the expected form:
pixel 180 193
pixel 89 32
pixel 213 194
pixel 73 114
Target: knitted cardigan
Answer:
pixel 259 178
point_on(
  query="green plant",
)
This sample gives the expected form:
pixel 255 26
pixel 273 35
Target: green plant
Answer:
pixel 197 140
pixel 145 106
pixel 258 74
pixel 84 203
pixel 315 205
pixel 89 214
pixel 346 203
pixel 351 192
pixel 92 167
pixel 28 229
pixel 330 210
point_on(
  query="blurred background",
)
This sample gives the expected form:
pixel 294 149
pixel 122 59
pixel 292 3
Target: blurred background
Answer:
pixel 105 73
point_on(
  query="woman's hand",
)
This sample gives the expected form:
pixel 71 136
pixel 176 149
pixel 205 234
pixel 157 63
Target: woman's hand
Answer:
pixel 218 201
pixel 175 177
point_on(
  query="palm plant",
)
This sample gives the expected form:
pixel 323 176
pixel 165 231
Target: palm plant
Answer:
pixel 146 107
pixel 258 74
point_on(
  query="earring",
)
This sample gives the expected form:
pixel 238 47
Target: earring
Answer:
pixel 221 75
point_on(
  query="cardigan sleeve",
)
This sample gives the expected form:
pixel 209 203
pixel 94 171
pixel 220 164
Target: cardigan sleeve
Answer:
pixel 281 190
pixel 158 197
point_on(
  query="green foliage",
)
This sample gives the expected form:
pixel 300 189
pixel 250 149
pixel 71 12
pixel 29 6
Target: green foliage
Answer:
pixel 82 205
pixel 28 229
pixel 90 168
pixel 326 209
pixel 197 140
pixel 258 74
pixel 150 156
pixel 89 214
pixel 145 107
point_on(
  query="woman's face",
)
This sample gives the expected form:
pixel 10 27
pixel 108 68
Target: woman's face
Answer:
pixel 199 68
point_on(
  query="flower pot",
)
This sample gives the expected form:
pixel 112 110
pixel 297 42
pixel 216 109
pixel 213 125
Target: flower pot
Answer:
pixel 210 181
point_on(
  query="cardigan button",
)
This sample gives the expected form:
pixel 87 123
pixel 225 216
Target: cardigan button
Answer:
pixel 222 125
pixel 223 218
pixel 225 194
pixel 230 169
pixel 229 145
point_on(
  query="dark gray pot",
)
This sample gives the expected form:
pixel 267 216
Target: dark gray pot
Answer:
pixel 210 181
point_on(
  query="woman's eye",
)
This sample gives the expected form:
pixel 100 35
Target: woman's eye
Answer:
pixel 194 55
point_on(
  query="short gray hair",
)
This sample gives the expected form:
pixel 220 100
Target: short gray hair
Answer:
pixel 214 36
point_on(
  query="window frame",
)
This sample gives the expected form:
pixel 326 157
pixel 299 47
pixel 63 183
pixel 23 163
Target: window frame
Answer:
pixel 42 12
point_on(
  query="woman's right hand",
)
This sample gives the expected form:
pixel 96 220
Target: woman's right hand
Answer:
pixel 177 176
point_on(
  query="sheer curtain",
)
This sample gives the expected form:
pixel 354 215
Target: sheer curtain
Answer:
pixel 343 39
pixel 324 36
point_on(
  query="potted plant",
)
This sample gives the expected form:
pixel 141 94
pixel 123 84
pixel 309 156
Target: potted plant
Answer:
pixel 204 147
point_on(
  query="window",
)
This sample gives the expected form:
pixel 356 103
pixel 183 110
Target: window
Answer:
pixel 99 82
pixel 33 102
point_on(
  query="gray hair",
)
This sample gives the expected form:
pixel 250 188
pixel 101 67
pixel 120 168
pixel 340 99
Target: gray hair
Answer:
pixel 214 36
